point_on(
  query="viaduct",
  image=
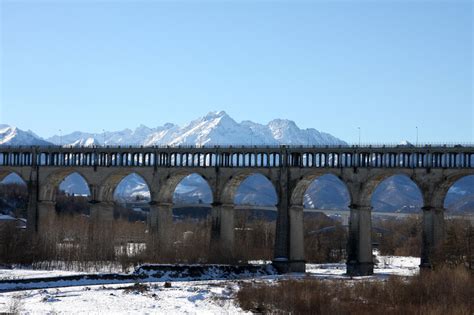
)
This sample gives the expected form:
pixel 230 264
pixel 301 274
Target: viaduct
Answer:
pixel 291 169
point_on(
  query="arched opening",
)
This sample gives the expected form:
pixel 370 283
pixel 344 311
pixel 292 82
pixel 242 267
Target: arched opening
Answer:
pixel 326 215
pixel 73 195
pixel 192 189
pixel 458 247
pixel 459 200
pixel 13 199
pixel 132 198
pixel 13 218
pixel 396 217
pixel 191 232
pixel 131 212
pixel 255 218
pixel 63 220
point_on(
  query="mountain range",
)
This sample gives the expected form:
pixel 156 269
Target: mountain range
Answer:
pixel 215 128
pixel 10 135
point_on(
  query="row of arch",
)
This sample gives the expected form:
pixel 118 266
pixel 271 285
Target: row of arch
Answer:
pixel 248 195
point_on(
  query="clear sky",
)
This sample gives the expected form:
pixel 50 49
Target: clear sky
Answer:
pixel 386 66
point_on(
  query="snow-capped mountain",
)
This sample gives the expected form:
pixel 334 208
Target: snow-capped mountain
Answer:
pixel 10 135
pixel 89 142
pixel 216 128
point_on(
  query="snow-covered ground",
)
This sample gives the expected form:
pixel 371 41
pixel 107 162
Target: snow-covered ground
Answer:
pixel 183 297
pixel 385 266
pixel 13 274
pixel 204 297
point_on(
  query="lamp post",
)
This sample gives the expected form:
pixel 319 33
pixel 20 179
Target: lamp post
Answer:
pixel 416 135
pixel 359 135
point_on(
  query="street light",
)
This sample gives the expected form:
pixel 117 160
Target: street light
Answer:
pixel 359 135
pixel 416 135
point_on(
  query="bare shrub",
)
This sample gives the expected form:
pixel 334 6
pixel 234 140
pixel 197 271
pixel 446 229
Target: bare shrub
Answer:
pixel 135 288
pixel 445 291
pixel 16 304
pixel 458 246
pixel 398 236
pixel 254 237
pixel 325 240
pixel 14 196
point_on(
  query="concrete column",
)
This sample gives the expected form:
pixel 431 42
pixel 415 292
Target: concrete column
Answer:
pixel 46 217
pixel 432 234
pixel 32 211
pixel 222 233
pixel 161 221
pixel 102 211
pixel 102 236
pixel 282 232
pixel 296 261
pixel 359 249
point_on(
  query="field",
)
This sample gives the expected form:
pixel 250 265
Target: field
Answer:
pixel 209 296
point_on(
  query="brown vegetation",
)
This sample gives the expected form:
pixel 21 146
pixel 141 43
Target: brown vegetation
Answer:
pixel 254 237
pixel 458 248
pixel 325 239
pixel 399 237
pixel 14 196
pixel 444 291
pixel 74 240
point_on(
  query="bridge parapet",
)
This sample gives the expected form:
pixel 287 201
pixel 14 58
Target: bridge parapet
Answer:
pixel 252 156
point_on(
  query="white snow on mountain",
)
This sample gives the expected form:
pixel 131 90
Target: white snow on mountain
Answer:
pixel 89 142
pixel 406 143
pixel 10 135
pixel 216 128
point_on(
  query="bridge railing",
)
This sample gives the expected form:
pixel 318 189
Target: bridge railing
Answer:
pixel 281 156
pixel 362 146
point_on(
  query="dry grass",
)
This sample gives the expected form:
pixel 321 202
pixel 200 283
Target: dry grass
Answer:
pixel 75 241
pixel 325 240
pixel 445 291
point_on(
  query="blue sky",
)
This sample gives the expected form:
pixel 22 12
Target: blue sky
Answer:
pixel 386 66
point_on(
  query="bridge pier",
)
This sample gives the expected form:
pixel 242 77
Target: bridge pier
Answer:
pixel 223 232
pixel 359 249
pixel 46 217
pixel 296 261
pixel 432 234
pixel 161 221
pixel 32 211
pixel 102 211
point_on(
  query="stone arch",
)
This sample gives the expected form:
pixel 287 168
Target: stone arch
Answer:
pixel 301 188
pixel 249 214
pixel 166 192
pixel 380 184
pixel 109 185
pixel 137 178
pixel 194 180
pixel 229 192
pixel 304 225
pixel 14 190
pixel 6 173
pixel 256 198
pixel 364 196
pixel 439 195
pixel 49 189
pixel 463 178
